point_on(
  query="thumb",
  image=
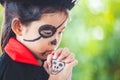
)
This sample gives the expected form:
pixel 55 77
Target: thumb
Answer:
pixel 46 67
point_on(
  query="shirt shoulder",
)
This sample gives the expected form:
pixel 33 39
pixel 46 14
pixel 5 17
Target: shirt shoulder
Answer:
pixel 4 60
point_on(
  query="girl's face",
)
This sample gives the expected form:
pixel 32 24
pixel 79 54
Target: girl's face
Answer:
pixel 43 36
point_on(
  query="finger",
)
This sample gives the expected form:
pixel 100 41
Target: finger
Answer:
pixel 49 60
pixel 69 66
pixel 69 59
pixel 65 53
pixel 46 66
pixel 74 63
pixel 57 53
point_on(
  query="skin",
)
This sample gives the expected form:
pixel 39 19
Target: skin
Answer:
pixel 42 48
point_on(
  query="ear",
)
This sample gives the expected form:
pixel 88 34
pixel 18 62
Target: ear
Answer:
pixel 17 27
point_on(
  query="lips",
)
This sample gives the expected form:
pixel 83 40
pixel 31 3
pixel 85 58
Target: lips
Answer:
pixel 47 52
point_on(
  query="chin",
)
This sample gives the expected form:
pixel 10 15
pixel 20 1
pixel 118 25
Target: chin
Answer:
pixel 43 56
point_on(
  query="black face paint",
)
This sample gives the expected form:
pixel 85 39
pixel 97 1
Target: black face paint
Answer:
pixel 54 42
pixel 46 31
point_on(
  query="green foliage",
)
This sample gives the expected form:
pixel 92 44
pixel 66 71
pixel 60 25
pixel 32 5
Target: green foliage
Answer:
pixel 1 14
pixel 93 35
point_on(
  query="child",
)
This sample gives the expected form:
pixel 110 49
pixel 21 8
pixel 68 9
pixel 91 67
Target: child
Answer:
pixel 31 32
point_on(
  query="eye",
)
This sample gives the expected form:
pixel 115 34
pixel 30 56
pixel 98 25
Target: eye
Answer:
pixel 54 62
pixel 60 65
pixel 46 32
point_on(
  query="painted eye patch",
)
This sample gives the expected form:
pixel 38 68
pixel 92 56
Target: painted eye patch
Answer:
pixel 46 31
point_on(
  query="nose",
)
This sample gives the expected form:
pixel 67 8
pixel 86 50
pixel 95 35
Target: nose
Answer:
pixel 54 42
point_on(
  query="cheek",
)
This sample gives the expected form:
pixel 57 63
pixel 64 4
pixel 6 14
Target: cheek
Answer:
pixel 40 45
pixel 59 38
pixel 43 43
pixel 30 32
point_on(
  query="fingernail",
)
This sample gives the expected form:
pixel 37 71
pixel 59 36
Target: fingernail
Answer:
pixel 54 57
pixel 49 65
pixel 52 53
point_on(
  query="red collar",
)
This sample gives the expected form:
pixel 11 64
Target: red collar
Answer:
pixel 19 52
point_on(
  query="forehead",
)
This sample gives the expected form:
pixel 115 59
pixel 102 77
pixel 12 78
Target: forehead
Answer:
pixel 54 15
pixel 54 19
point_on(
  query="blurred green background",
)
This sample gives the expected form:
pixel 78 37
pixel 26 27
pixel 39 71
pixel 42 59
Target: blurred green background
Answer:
pixel 93 35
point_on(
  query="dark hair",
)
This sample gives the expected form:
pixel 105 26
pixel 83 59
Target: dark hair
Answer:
pixel 27 12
